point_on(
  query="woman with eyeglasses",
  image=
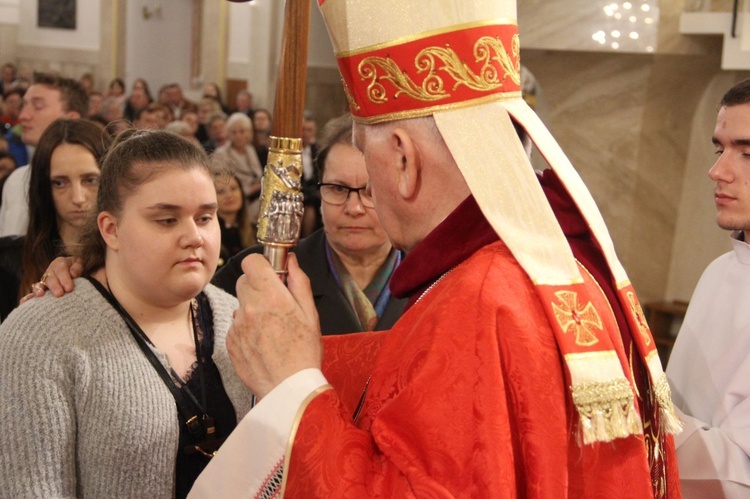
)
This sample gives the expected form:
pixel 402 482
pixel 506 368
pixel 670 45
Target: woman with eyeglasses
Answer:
pixel 350 260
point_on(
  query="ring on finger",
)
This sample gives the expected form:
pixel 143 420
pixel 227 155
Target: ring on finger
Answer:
pixel 43 280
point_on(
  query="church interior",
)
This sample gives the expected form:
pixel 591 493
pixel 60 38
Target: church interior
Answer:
pixel 630 90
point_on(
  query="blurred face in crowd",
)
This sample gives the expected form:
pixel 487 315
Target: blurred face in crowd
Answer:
pixel 8 74
pixel 210 90
pixel 191 119
pixel 150 120
pixel 240 136
pixel 262 121
pixel 731 172
pixel 87 83
pixel 229 196
pixel 164 95
pixel 243 101
pixel 13 104
pixel 95 104
pixel 174 95
pixel 351 228
pixel 116 89
pixel 206 109
pixel 74 176
pixel 42 105
pixel 309 132
pixel 217 131
pixel 138 98
pixel 139 84
pixel 112 111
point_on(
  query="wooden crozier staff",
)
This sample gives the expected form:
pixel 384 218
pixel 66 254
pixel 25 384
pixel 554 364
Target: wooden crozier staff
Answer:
pixel 281 205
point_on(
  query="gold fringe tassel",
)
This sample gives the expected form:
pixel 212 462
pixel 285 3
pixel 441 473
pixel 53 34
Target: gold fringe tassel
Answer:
pixel 606 411
pixel 669 419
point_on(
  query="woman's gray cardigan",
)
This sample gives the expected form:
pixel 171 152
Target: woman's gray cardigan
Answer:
pixel 82 412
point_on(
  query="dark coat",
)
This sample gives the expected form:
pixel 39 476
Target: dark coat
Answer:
pixel 336 315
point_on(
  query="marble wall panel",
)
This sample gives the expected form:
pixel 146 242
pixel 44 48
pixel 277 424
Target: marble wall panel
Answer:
pixel 592 103
pixel 625 121
pixel 674 90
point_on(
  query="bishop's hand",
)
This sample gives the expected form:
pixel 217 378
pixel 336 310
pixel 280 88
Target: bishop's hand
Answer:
pixel 276 331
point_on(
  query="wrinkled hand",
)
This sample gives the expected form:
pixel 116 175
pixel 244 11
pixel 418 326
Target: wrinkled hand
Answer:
pixel 276 331
pixel 59 278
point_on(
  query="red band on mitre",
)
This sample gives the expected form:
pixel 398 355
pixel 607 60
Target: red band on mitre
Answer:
pixel 419 76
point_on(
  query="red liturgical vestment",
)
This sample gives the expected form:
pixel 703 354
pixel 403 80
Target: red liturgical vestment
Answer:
pixel 464 397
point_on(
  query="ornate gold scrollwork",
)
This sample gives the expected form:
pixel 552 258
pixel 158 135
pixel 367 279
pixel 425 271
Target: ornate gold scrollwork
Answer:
pixel 510 63
pixel 376 91
pixel 349 98
pixel 488 50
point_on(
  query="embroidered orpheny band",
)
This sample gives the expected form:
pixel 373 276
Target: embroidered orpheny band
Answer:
pixel 465 65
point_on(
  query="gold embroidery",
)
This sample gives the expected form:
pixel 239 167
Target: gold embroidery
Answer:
pixel 511 63
pixel 583 321
pixel 349 98
pixel 379 70
pixel 377 93
pixel 636 309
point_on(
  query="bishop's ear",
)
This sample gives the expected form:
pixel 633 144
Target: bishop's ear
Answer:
pixel 107 224
pixel 410 163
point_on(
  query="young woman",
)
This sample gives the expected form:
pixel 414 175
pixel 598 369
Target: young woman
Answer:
pixel 63 185
pixel 116 90
pixel 237 233
pixel 124 388
pixel 212 91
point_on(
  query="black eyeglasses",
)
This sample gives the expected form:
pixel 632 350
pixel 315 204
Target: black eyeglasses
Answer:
pixel 338 194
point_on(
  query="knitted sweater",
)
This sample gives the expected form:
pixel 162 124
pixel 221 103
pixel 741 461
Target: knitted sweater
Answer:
pixel 84 413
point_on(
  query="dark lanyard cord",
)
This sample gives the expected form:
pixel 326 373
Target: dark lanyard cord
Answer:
pixel 199 359
pixel 191 418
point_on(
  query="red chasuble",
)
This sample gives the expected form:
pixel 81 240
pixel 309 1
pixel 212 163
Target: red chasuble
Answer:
pixel 465 396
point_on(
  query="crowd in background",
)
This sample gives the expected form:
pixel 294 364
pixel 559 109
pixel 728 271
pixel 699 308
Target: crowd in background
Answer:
pixel 218 126
pixel 235 133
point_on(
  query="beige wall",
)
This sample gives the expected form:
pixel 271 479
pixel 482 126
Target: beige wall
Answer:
pixel 637 127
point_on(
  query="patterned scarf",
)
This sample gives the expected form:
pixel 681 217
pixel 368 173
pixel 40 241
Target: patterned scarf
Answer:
pixel 368 304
